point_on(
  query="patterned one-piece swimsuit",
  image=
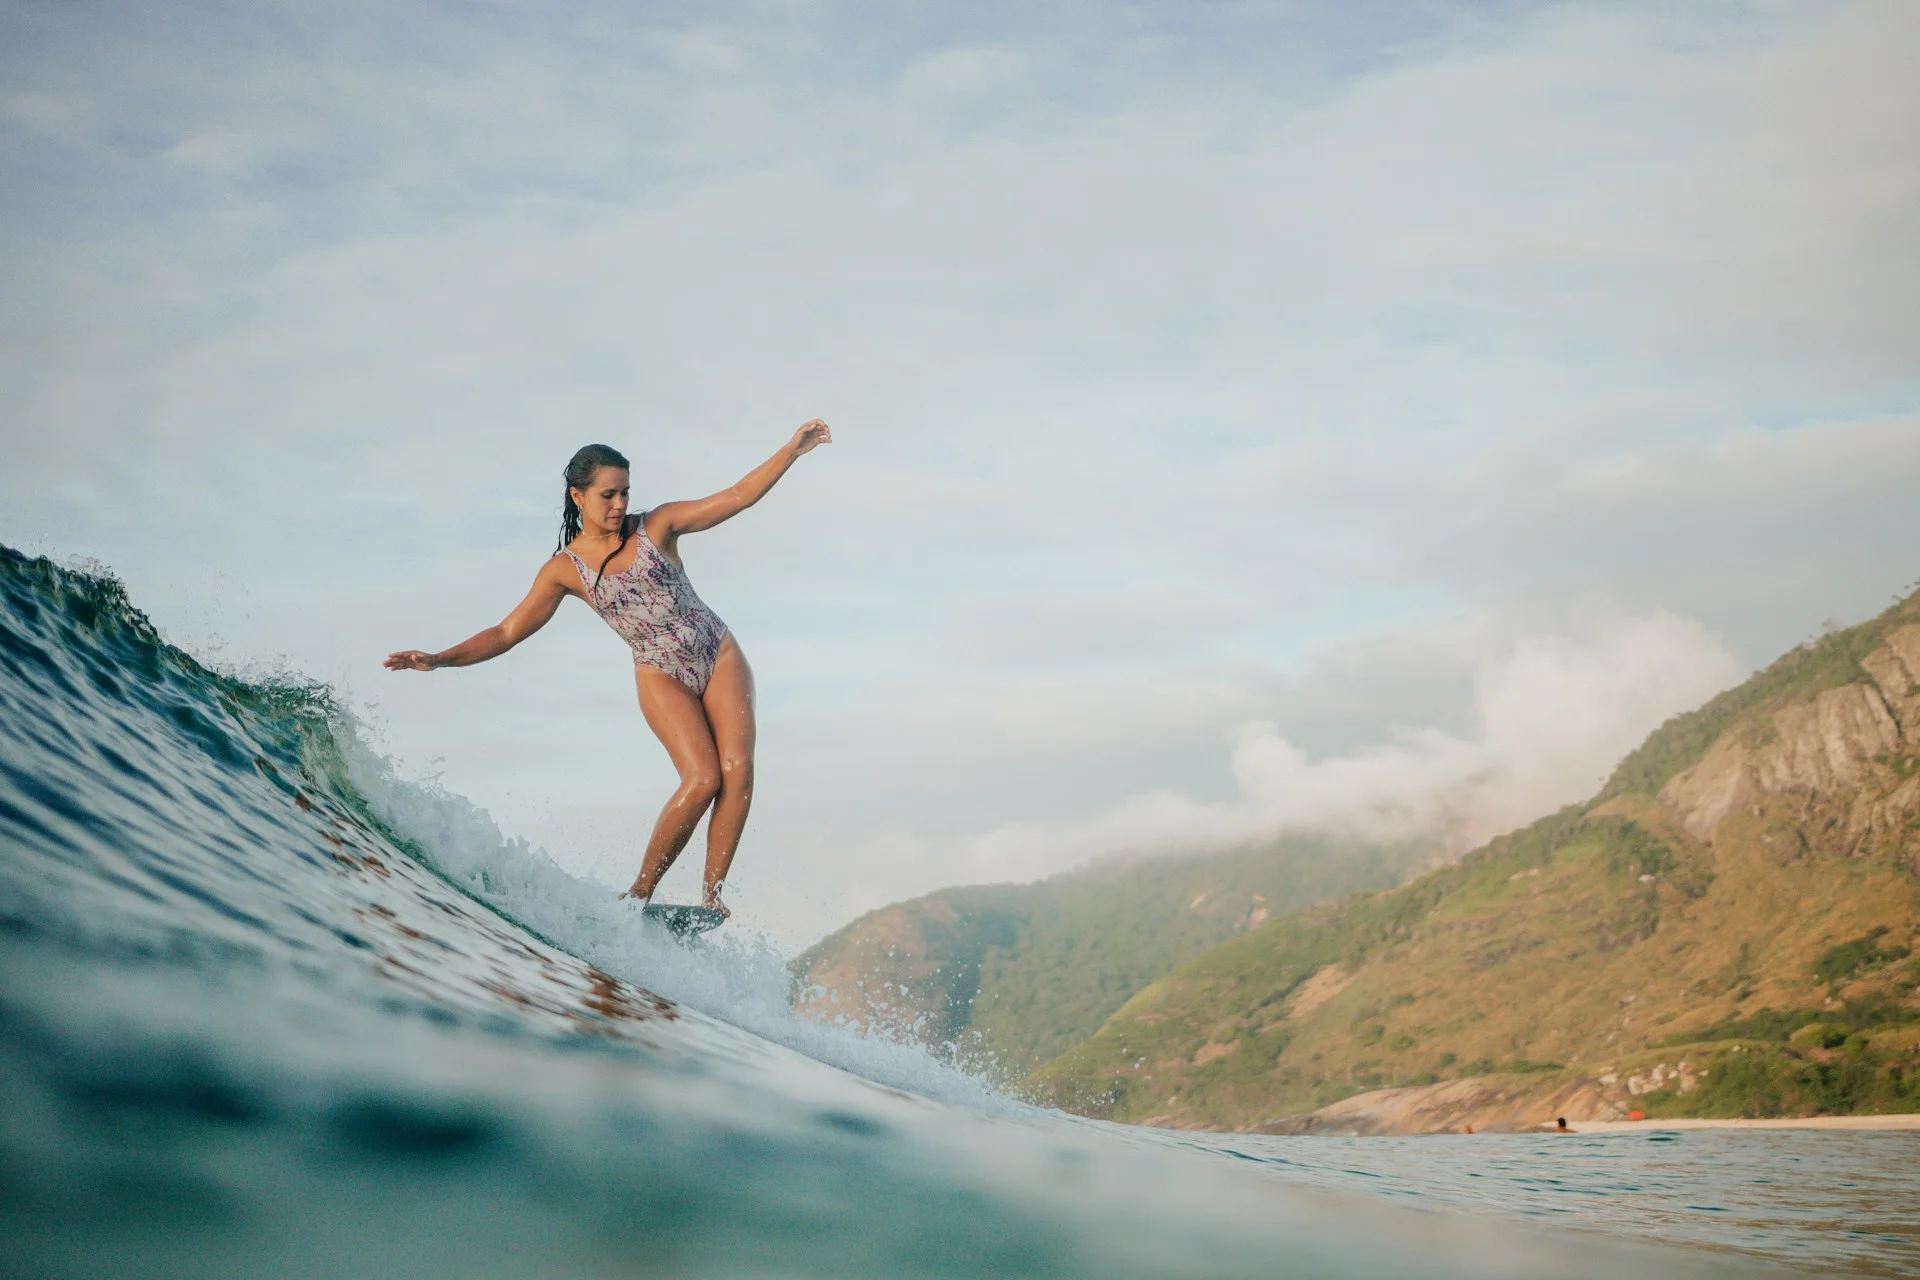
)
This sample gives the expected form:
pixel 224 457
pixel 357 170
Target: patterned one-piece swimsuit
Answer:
pixel 651 605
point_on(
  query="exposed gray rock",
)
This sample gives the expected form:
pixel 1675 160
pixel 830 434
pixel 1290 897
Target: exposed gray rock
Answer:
pixel 1837 741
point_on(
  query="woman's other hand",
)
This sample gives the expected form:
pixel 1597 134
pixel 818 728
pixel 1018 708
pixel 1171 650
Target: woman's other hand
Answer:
pixel 810 434
pixel 410 660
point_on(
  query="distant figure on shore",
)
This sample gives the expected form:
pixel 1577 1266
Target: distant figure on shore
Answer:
pixel 1560 1125
pixel 1468 1129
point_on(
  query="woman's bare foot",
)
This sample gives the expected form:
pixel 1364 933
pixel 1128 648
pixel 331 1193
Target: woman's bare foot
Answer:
pixel 633 891
pixel 710 899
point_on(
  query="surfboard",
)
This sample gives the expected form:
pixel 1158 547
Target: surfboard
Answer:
pixel 684 921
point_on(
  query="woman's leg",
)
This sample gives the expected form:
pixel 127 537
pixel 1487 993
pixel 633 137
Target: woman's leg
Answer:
pixel 680 722
pixel 729 705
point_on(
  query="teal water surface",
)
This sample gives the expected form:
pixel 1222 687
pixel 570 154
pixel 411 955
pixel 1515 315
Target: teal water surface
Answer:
pixel 266 1010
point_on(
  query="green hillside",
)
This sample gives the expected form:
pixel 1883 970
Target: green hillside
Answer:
pixel 1739 908
pixel 1011 976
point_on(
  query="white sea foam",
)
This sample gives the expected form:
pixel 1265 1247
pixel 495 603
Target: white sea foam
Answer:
pixel 736 976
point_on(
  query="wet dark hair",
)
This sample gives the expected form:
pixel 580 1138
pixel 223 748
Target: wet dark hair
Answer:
pixel 579 473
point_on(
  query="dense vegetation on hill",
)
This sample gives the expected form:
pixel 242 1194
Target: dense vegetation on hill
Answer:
pixel 1740 901
pixel 1011 976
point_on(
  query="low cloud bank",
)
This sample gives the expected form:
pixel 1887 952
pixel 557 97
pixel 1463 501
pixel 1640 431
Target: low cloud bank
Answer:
pixel 1554 713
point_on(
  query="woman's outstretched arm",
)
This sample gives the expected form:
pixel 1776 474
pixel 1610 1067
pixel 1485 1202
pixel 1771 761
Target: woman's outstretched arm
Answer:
pixel 671 519
pixel 532 614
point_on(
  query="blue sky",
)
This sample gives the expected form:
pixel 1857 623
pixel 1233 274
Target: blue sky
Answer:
pixel 1354 415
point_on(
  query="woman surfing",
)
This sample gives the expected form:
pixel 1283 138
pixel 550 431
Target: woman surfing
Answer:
pixel 696 690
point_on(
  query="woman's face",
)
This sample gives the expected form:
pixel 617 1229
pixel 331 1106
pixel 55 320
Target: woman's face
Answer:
pixel 603 503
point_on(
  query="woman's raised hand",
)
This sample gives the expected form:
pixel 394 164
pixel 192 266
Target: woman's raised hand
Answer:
pixel 809 435
pixel 409 660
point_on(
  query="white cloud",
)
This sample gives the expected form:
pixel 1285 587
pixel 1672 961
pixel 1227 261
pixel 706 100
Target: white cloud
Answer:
pixel 1555 713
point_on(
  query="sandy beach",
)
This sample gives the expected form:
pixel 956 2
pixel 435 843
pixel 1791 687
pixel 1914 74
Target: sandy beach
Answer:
pixel 1805 1122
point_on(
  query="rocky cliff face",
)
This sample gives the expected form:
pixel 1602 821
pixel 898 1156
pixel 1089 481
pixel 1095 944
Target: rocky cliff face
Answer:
pixel 1848 747
pixel 1729 926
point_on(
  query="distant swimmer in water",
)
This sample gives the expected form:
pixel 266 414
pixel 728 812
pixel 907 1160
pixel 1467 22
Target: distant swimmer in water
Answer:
pixel 1560 1125
pixel 696 690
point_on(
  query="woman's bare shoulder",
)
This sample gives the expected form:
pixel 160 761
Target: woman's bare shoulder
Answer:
pixel 558 570
pixel 658 524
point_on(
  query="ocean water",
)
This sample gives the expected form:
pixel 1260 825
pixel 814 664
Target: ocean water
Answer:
pixel 268 1010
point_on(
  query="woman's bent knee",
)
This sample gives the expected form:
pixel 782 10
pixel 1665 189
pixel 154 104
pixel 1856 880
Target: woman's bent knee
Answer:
pixel 701 785
pixel 736 773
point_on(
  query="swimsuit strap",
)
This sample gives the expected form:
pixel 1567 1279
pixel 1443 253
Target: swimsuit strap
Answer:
pixel 585 586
